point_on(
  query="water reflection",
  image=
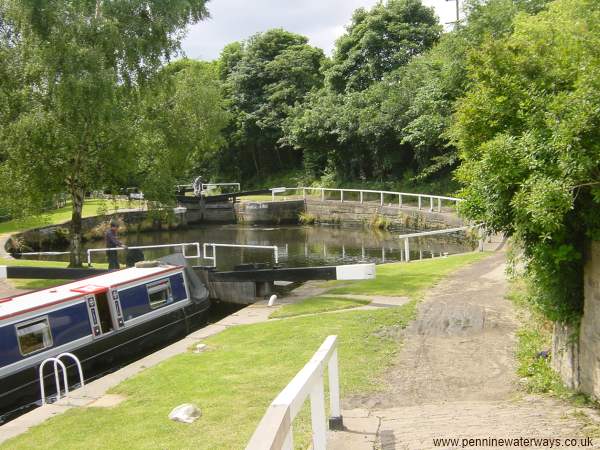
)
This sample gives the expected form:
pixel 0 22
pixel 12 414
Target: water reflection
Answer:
pixel 298 245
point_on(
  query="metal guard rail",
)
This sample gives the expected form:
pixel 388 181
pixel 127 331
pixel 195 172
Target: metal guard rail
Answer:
pixel 182 245
pixel 215 245
pixel 275 429
pixel 381 194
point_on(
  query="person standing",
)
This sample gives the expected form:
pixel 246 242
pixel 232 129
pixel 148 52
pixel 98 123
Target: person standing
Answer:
pixel 112 241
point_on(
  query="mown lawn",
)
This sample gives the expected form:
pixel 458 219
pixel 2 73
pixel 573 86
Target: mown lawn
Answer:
pixel 90 208
pixel 316 305
pixel 241 372
pixel 35 283
pixel 407 280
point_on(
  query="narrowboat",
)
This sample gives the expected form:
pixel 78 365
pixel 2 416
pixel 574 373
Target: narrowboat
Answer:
pixel 105 320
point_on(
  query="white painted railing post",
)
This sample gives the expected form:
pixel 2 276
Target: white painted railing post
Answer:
pixel 342 195
pixel 335 420
pixel 304 193
pixel 439 205
pixel 406 250
pixel 399 200
pixel 322 194
pixel 317 413
pixel 419 202
pixel 381 199
pixel 361 196
pixel 430 203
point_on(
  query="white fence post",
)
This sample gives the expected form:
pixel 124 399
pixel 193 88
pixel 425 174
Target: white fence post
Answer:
pixel 341 195
pixel 399 200
pixel 335 420
pixel 406 250
pixel 430 203
pixel 381 199
pixel 322 194
pixel 439 205
pixel 304 193
pixel 419 202
pixel 317 412
pixel 361 196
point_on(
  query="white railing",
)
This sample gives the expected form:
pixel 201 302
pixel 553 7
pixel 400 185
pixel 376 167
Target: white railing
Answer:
pixel 183 246
pixel 408 236
pixel 57 362
pixel 210 186
pixel 214 246
pixel 435 201
pixel 275 429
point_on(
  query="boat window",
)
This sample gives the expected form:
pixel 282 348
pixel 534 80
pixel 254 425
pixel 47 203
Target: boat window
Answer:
pixel 34 336
pixel 159 293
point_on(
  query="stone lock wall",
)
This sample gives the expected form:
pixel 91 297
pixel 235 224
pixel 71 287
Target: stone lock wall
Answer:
pixel 366 213
pixel 576 353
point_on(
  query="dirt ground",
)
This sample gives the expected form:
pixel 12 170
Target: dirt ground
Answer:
pixel 455 377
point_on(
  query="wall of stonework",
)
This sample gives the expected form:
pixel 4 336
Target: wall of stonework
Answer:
pixel 576 355
pixel 277 212
pixel 367 213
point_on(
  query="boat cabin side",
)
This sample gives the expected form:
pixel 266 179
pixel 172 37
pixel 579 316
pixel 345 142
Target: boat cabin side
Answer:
pixel 46 323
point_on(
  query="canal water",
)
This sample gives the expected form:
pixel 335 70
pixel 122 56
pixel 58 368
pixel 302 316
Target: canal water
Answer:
pixel 298 245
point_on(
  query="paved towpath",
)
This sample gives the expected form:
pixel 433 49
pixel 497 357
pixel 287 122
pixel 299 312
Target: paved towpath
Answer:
pixel 455 377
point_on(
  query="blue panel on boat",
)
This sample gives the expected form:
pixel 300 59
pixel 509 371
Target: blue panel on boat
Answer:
pixel 178 287
pixel 67 324
pixel 9 348
pixel 135 302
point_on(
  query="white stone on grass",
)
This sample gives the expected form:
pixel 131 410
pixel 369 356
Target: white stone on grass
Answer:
pixel 186 413
pixel 200 348
pixel 272 300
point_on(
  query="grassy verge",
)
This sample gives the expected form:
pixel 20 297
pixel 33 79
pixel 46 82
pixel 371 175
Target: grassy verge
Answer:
pixel 35 283
pixel 316 305
pixel 239 374
pixel 90 208
pixel 407 280
pixel 533 337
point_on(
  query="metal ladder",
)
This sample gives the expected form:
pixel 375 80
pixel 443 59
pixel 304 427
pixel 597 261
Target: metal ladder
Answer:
pixel 57 362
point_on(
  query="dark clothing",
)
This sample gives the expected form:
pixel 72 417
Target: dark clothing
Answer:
pixel 111 239
pixel 112 242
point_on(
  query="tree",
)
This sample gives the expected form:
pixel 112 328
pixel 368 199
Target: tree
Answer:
pixel 183 114
pixel 528 132
pixel 381 40
pixel 264 78
pixel 77 67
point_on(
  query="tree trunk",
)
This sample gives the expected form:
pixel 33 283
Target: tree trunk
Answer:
pixel 77 194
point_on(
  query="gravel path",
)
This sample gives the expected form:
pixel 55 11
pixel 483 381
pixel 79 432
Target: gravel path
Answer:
pixel 455 378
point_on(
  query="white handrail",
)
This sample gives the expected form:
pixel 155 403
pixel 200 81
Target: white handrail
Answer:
pixel 182 245
pixel 208 186
pixel 406 237
pixel 214 246
pixel 57 362
pixel 275 429
pixel 77 363
pixel 381 194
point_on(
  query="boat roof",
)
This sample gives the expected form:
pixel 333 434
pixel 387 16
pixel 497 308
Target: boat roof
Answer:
pixel 43 298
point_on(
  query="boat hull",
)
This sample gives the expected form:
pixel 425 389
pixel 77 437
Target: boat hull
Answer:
pixel 20 391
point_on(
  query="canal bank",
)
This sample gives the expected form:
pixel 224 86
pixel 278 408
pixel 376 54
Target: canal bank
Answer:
pixel 243 367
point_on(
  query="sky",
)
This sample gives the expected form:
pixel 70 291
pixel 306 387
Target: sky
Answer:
pixel 322 21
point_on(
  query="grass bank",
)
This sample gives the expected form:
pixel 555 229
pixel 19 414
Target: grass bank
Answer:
pixel 34 283
pixel 534 336
pixel 316 305
pixel 242 370
pixel 91 208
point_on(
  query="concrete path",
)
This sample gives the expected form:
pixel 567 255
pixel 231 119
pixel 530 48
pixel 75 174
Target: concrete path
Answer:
pixel 455 377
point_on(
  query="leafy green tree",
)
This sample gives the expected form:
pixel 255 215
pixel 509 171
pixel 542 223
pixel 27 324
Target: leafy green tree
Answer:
pixel 264 78
pixel 183 115
pixel 76 67
pixel 528 132
pixel 380 40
